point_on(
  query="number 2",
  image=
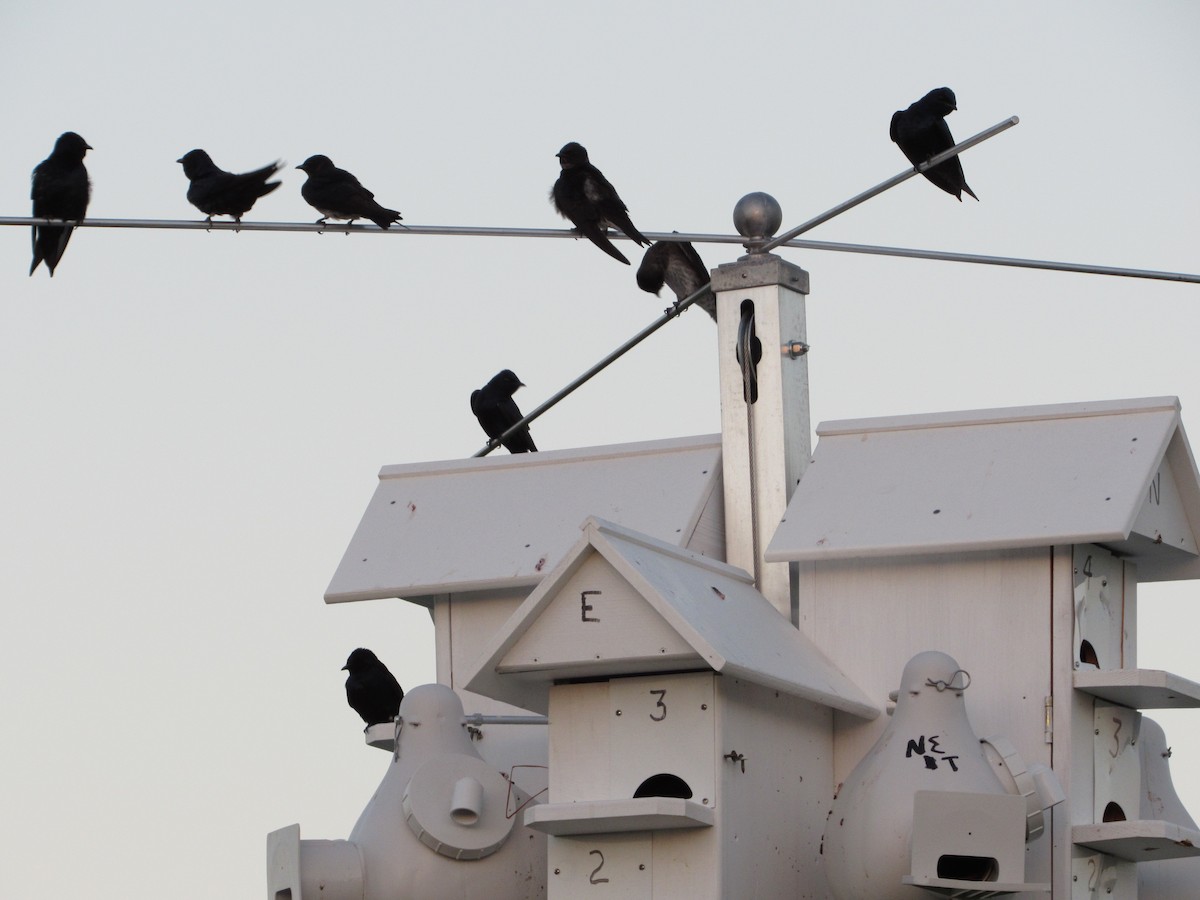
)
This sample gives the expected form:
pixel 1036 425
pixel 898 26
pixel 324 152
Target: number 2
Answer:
pixel 592 879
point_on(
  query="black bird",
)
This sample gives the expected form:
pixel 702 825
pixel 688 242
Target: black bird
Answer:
pixel 371 690
pixel 497 412
pixel 60 190
pixel 921 133
pixel 216 192
pixel 336 194
pixel 583 195
pixel 678 265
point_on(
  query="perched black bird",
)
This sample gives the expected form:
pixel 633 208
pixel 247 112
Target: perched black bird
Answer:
pixel 60 190
pixel 921 132
pixel 216 192
pixel 583 195
pixel 496 411
pixel 336 194
pixel 678 265
pixel 371 690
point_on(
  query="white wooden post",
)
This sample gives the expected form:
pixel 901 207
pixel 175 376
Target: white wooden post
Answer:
pixel 766 445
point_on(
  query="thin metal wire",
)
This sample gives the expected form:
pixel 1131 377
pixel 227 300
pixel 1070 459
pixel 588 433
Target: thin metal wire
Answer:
pixel 885 185
pixel 695 238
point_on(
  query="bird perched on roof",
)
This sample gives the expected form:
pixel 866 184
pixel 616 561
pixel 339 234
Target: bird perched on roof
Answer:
pixel 336 194
pixel 60 190
pixel 216 192
pixel 678 265
pixel 583 195
pixel 497 412
pixel 921 132
pixel 371 690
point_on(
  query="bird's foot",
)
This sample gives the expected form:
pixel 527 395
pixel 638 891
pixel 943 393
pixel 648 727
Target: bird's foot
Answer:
pixel 321 222
pixel 348 224
pixel 237 221
pixel 208 222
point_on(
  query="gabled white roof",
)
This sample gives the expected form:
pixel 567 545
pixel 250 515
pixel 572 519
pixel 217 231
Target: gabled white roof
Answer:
pixel 505 521
pixel 659 608
pixel 1118 473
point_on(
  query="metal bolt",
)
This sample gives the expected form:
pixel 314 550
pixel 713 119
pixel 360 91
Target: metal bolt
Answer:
pixel 619 712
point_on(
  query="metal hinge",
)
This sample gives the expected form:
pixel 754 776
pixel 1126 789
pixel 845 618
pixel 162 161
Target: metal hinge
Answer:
pixel 1049 722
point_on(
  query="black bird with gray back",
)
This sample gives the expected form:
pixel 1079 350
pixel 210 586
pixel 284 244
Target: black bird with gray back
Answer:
pixel 336 194
pixel 371 690
pixel 677 265
pixel 497 412
pixel 583 195
pixel 60 190
pixel 216 192
pixel 921 132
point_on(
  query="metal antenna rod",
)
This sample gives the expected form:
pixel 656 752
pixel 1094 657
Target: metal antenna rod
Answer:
pixel 668 314
pixel 890 183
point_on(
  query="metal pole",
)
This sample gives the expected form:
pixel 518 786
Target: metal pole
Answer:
pixel 883 186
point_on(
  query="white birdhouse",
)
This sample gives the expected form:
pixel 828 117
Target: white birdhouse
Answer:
pixel 442 823
pixel 926 806
pixel 470 538
pixel 1015 541
pixel 688 723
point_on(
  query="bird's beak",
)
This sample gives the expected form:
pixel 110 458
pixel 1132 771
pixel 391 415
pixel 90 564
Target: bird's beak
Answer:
pixel 179 160
pixel 345 668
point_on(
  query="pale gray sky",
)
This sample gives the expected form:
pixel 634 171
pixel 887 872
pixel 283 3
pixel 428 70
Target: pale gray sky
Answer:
pixel 194 422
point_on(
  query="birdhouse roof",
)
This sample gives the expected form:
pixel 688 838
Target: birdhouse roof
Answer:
pixel 1118 473
pixel 504 521
pixel 623 603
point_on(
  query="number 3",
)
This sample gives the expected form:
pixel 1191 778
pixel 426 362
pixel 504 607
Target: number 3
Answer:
pixel 662 693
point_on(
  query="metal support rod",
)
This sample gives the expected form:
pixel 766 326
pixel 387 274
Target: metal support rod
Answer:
pixel 1012 261
pixel 890 183
pixel 695 238
pixel 668 314
pixel 483 719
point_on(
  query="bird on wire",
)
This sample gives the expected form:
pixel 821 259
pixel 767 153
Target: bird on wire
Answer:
pixel 921 132
pixel 371 690
pixel 497 412
pixel 584 196
pixel 677 265
pixel 60 189
pixel 336 194
pixel 216 192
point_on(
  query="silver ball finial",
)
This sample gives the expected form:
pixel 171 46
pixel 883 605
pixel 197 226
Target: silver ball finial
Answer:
pixel 757 216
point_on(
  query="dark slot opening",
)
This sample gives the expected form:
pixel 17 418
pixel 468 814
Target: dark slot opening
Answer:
pixel 664 785
pixel 968 868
